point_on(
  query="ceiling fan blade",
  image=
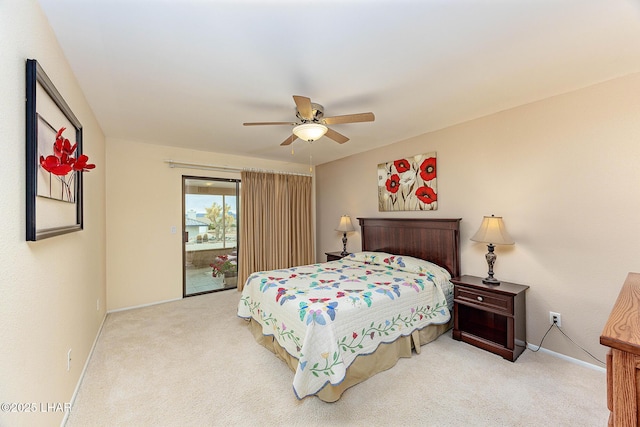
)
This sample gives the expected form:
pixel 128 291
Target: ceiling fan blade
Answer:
pixel 337 137
pixel 349 118
pixel 268 123
pixel 304 107
pixel 289 140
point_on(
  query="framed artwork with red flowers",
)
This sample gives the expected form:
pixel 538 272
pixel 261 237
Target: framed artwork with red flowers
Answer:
pixel 408 184
pixel 54 160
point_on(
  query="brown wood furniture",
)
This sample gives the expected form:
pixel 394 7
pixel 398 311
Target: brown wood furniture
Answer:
pixel 436 240
pixel 490 317
pixel 333 256
pixel 622 335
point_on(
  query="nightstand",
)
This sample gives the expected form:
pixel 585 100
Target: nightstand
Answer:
pixel 333 256
pixel 490 317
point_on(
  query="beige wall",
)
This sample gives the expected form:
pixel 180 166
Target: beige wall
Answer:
pixel 49 289
pixel 563 172
pixel 144 201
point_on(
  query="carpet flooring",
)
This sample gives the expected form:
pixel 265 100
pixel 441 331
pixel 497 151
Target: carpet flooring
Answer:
pixel 193 362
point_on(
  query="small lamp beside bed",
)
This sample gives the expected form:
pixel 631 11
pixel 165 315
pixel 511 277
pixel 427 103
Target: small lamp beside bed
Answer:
pixel 493 232
pixel 344 227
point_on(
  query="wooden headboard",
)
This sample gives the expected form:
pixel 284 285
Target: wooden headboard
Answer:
pixel 435 240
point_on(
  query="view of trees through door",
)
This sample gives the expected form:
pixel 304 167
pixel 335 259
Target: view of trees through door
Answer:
pixel 210 230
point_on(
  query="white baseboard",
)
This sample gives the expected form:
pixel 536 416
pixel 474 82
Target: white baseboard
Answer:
pixel 567 358
pixel 143 305
pixel 84 369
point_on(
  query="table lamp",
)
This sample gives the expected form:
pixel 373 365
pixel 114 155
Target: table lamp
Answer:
pixel 345 226
pixel 493 232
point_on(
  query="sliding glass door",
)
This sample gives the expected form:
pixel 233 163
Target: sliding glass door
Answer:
pixel 210 230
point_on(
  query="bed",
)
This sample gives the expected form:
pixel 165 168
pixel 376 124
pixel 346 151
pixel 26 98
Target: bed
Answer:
pixel 338 323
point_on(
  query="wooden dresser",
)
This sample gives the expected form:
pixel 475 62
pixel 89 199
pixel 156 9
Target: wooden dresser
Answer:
pixel 622 335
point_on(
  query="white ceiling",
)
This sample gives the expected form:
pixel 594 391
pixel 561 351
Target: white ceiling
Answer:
pixel 188 73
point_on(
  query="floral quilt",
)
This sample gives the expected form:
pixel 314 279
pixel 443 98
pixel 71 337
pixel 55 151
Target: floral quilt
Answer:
pixel 325 315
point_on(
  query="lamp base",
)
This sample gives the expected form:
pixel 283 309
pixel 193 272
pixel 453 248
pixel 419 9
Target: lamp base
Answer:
pixel 491 259
pixel 344 245
pixel 491 281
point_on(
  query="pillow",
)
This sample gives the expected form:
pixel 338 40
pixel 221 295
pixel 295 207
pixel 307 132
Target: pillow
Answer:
pixel 416 265
pixel 369 257
pixel 400 262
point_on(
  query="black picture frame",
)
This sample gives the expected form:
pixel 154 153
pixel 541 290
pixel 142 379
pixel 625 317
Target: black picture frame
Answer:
pixel 49 216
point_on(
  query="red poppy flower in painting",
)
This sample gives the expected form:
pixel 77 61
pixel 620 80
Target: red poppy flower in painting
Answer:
pixel 428 169
pixel 402 165
pixel 62 147
pixel 54 165
pixel 393 183
pixel 426 195
pixel 81 164
pixel 62 162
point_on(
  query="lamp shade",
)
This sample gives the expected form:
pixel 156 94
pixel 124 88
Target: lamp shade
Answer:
pixel 345 224
pixel 310 131
pixel 492 230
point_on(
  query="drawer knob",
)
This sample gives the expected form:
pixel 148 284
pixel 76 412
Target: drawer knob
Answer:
pixel 479 298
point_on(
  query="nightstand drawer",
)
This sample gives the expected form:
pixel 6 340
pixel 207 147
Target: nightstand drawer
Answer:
pixel 488 300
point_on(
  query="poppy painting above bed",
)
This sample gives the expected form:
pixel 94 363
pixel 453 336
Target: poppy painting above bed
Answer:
pixel 408 184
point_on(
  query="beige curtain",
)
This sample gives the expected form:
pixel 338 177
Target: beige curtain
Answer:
pixel 275 223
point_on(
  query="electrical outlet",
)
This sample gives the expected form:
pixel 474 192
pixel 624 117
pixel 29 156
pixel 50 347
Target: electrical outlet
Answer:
pixel 69 360
pixel 555 318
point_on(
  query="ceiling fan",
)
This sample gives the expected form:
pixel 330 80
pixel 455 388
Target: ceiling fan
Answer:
pixel 311 124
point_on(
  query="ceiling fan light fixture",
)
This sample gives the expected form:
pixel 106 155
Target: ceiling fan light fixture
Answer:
pixel 310 131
